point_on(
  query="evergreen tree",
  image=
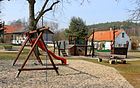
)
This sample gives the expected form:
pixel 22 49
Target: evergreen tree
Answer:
pixel 77 28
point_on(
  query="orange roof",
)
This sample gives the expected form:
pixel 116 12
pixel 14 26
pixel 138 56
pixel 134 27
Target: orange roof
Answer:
pixel 105 35
pixel 11 29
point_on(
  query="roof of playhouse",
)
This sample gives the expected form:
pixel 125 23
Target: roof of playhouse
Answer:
pixel 105 35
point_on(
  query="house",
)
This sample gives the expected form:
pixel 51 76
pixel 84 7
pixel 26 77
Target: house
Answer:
pixel 7 32
pixel 16 35
pixel 1 32
pixel 104 39
pixel 19 36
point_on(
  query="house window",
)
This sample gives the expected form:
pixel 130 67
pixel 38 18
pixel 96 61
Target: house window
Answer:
pixel 119 45
pixel 122 35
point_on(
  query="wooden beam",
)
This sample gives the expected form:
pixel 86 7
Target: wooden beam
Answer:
pixel 28 69
pixel 40 30
pixel 20 51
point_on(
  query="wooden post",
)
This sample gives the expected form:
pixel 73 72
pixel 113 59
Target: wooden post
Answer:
pixel 22 47
pixel 127 45
pixel 29 54
pixel 92 43
pixel 64 45
pixel 75 47
pixel 69 40
pixel 59 48
pixel 114 36
pixel 58 45
pixel 85 47
pixel 113 45
pixel 54 47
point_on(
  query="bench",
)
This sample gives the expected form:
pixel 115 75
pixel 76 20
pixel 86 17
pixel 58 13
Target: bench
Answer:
pixel 113 58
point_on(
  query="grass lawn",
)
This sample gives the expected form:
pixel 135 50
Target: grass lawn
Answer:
pixel 136 56
pixel 131 70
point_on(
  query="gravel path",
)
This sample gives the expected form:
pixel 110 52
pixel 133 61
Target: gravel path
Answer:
pixel 78 74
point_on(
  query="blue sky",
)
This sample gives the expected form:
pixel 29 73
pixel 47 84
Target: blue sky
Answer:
pixel 96 11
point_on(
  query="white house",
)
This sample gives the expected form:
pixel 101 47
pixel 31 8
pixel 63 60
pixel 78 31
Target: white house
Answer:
pixel 104 39
pixel 19 36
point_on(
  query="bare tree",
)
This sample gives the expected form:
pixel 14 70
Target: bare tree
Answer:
pixel 53 25
pixel 33 20
pixel 0 5
pixel 19 22
pixel 135 13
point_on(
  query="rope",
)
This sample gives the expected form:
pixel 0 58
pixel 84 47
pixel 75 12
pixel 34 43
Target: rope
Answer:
pixel 46 53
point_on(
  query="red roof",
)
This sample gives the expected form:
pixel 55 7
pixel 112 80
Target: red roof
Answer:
pixel 11 29
pixel 105 35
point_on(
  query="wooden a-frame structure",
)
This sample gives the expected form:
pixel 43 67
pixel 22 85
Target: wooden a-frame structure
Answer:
pixel 33 45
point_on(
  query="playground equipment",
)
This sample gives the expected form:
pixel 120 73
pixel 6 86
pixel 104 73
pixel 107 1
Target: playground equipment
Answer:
pixel 63 50
pixel 40 45
pixel 80 48
pixel 38 41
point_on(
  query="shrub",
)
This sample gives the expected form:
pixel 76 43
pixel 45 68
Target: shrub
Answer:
pixel 134 45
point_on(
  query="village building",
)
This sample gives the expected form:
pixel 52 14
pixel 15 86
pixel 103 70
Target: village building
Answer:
pixel 7 33
pixel 16 35
pixel 104 39
pixel 1 31
pixel 19 36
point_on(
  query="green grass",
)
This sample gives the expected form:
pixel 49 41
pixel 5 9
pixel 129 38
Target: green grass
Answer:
pixel 12 55
pixel 1 47
pixel 136 56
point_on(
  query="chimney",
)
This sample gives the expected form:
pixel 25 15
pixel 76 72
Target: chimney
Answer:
pixel 110 29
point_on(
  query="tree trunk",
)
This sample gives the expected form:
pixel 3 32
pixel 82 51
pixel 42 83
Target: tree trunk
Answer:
pixel 32 23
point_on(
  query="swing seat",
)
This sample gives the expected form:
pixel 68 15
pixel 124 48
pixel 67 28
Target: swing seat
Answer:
pixel 41 46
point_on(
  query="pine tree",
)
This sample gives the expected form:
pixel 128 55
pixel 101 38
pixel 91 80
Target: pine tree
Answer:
pixel 77 28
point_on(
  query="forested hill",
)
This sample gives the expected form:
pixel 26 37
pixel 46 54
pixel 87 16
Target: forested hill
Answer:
pixel 131 28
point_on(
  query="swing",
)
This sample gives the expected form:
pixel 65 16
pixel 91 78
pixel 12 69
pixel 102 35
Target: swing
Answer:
pixel 33 44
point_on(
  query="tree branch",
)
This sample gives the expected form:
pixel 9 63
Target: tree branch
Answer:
pixel 40 13
pixel 51 7
pixel 29 1
pixel 44 11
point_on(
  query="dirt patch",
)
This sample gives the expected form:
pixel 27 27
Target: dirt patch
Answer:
pixel 78 74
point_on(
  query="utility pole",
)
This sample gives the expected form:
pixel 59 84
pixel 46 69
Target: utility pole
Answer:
pixel 114 36
pixel 42 21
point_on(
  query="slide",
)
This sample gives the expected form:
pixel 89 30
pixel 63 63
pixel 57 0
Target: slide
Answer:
pixel 59 58
pixel 40 45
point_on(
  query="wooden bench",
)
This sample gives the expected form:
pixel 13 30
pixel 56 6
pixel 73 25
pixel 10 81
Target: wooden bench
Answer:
pixel 113 58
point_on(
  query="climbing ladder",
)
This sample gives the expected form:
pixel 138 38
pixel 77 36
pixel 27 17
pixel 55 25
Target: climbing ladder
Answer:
pixel 63 52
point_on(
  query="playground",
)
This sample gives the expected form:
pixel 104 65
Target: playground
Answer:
pixel 65 66
pixel 78 73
